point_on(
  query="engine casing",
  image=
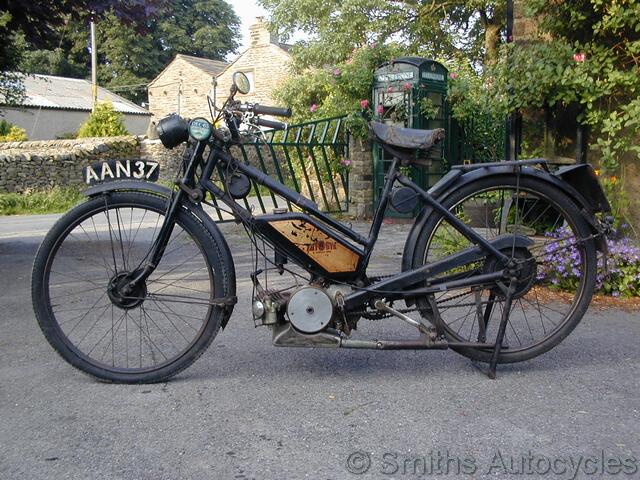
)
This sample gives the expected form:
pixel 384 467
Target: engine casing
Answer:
pixel 310 309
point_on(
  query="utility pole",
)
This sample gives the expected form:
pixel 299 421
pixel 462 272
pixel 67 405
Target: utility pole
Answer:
pixel 94 65
pixel 511 121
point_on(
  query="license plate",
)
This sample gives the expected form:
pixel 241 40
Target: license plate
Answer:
pixel 110 170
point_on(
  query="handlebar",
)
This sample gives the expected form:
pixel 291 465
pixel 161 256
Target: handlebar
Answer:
pixel 275 111
pixel 270 124
pixel 266 110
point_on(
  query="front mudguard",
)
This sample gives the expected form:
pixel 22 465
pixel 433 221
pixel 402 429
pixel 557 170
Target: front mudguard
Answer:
pixel 195 209
pixel 578 182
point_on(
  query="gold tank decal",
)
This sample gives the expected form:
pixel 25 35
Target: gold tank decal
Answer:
pixel 324 250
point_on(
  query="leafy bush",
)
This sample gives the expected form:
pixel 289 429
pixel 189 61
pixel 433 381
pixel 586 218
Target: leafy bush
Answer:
pixel 621 278
pixel 55 200
pixel 12 133
pixel 103 122
pixel 337 90
pixel 345 89
pixel 586 57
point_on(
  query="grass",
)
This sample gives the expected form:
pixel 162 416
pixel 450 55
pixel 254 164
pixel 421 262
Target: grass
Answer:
pixel 54 200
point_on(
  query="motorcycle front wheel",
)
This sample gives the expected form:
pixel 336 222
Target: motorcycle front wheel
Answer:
pixel 159 329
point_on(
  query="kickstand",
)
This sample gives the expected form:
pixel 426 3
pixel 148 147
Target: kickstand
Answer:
pixel 491 372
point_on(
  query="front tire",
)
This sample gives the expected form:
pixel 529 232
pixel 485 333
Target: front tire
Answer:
pixel 160 329
pixel 548 306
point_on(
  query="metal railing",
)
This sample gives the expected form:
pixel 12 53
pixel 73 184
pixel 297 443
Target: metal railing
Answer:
pixel 308 157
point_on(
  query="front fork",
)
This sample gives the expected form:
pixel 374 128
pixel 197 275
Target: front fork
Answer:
pixel 157 249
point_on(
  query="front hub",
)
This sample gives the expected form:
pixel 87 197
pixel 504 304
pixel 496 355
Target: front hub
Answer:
pixel 129 300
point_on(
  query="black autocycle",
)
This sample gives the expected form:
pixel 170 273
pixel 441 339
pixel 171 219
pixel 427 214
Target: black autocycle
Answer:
pixel 133 285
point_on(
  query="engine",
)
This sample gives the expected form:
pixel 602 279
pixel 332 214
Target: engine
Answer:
pixel 309 308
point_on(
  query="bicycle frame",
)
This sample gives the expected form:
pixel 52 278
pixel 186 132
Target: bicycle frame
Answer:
pixel 397 286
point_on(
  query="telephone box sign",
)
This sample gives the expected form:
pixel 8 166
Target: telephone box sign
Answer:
pixel 392 77
pixel 433 76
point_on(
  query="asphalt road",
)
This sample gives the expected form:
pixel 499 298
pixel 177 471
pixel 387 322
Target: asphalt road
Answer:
pixel 249 410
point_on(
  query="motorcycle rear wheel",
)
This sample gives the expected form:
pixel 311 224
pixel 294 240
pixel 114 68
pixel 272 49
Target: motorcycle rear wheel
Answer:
pixel 549 305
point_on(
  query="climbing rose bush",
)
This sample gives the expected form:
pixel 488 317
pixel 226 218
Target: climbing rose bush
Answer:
pixel 621 278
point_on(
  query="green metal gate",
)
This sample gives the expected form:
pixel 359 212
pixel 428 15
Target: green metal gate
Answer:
pixel 310 158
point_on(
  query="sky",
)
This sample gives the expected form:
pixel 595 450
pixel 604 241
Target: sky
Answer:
pixel 247 10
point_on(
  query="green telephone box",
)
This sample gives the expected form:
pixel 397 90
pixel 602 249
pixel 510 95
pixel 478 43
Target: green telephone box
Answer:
pixel 411 92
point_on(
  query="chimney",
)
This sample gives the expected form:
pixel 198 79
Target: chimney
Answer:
pixel 259 33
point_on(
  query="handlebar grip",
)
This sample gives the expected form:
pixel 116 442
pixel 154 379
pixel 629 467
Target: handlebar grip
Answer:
pixel 271 124
pixel 275 111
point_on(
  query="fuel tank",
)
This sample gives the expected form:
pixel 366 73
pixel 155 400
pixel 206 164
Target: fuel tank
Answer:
pixel 310 244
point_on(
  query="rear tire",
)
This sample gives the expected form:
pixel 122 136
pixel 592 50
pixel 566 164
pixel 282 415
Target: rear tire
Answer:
pixel 142 341
pixel 535 327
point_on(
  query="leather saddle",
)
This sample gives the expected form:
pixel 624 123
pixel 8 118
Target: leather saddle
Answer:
pixel 402 142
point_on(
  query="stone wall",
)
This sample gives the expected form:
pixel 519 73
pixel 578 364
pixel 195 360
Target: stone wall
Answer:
pixel 524 28
pixel 42 164
pixel 26 166
pixel 169 160
pixel 361 179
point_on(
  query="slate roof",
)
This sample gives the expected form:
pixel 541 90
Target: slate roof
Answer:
pixel 212 67
pixel 48 91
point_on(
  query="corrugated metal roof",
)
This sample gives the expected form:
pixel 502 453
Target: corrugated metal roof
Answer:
pixel 47 91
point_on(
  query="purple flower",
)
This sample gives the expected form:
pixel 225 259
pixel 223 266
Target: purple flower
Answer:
pixel 313 107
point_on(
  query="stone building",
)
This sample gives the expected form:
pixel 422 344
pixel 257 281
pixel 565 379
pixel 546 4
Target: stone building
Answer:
pixel 266 64
pixel 182 87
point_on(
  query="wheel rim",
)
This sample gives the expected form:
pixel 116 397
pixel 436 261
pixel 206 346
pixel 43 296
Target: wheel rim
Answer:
pixel 543 307
pixel 152 332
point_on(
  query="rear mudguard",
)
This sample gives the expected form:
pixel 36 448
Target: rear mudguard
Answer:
pixel 571 180
pixel 195 209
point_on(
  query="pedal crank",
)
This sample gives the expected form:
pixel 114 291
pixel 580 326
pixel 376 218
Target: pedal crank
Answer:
pixel 384 307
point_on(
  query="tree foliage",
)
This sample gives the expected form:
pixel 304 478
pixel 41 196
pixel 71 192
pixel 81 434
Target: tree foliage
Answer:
pixel 40 21
pixel 588 55
pixel 103 122
pixel 435 28
pixel 133 45
pixel 339 89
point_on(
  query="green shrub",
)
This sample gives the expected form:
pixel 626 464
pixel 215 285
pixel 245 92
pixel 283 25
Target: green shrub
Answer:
pixel 12 133
pixel 103 122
